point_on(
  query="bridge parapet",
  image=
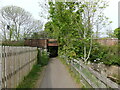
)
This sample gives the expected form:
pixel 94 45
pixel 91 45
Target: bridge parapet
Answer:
pixel 41 43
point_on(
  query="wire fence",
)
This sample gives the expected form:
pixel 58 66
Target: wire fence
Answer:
pixel 15 64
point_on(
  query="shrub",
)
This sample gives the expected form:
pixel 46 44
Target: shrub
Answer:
pixel 111 57
pixel 106 54
pixel 13 43
pixel 42 57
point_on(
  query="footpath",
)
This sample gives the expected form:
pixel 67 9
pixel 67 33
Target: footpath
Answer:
pixel 57 76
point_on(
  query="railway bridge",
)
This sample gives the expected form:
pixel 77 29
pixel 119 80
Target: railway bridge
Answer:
pixel 50 44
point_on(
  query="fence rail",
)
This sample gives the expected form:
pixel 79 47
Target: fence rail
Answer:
pixel 15 64
pixel 92 77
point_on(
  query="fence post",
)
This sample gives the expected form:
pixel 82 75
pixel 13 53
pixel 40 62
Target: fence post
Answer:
pixel 0 67
pixel 5 83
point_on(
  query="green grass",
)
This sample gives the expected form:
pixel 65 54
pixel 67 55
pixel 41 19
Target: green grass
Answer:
pixel 86 72
pixel 75 75
pixel 31 79
pixel 42 58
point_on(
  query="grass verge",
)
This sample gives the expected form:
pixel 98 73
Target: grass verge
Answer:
pixel 75 75
pixel 31 79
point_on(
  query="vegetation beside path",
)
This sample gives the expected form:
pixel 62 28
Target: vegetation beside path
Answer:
pixel 35 74
pixel 31 79
pixel 74 75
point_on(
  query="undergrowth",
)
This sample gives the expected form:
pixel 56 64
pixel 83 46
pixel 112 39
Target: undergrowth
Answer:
pixel 30 80
pixel 75 76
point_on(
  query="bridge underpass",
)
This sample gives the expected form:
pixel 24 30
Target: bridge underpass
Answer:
pixel 56 75
pixel 50 44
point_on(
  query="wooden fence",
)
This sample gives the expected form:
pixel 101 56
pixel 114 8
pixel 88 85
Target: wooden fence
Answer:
pixel 0 67
pixel 15 64
pixel 93 78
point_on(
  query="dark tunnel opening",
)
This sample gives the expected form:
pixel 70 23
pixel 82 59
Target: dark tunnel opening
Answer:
pixel 53 50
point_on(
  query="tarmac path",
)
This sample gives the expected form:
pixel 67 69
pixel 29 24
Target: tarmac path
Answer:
pixel 57 76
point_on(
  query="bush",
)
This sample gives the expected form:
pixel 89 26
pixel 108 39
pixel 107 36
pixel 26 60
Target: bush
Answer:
pixel 13 43
pixel 97 53
pixel 106 54
pixel 42 57
pixel 111 58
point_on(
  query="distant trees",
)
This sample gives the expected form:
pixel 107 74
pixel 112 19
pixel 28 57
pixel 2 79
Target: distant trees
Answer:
pixel 117 33
pixel 38 35
pixel 101 22
pixel 113 33
pixel 34 26
pixel 20 23
pixel 110 33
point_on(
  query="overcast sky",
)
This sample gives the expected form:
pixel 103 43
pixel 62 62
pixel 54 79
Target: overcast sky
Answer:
pixel 112 12
pixel 33 7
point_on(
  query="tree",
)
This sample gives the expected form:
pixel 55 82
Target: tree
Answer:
pixel 32 27
pixel 50 30
pixel 20 22
pixel 110 33
pixel 39 35
pixel 68 24
pixel 44 9
pixel 92 16
pixel 4 31
pixel 73 24
pixel 35 35
pixel 117 33
pixel 101 22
